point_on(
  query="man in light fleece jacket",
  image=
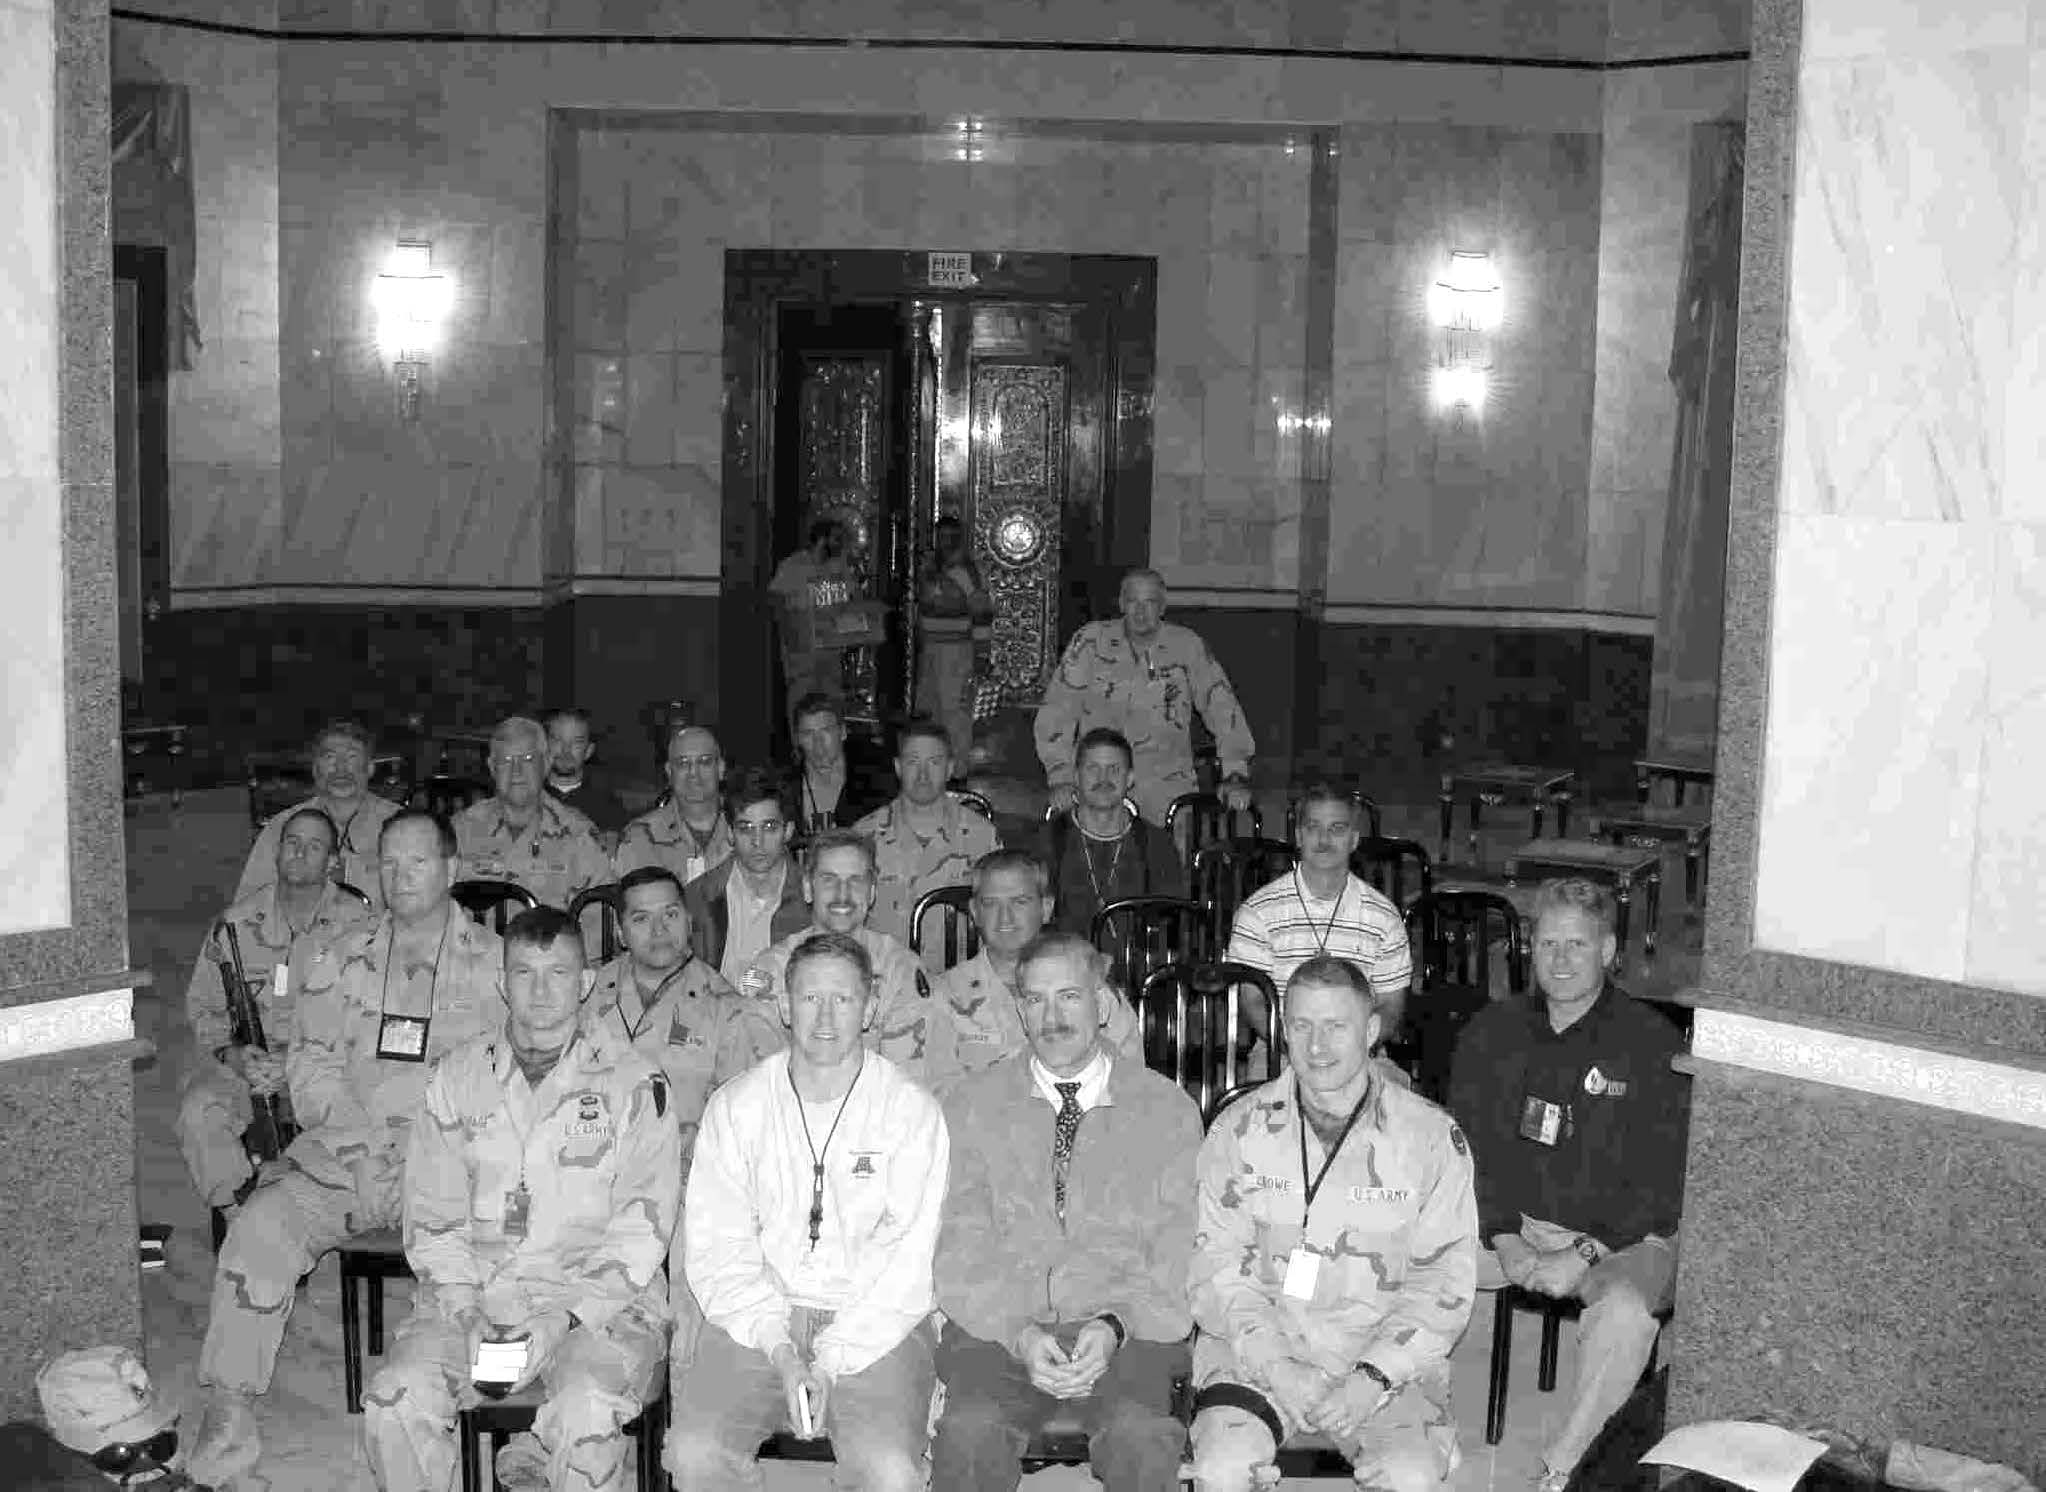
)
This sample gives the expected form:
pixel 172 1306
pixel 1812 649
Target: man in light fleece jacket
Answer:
pixel 807 1237
pixel 1062 1264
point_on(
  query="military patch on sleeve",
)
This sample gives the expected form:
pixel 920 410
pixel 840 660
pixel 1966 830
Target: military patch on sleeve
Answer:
pixel 1456 1138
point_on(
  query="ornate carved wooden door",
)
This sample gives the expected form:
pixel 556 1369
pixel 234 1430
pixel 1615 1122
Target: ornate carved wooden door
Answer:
pixel 843 446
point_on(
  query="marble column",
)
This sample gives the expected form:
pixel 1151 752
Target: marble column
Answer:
pixel 1868 1156
pixel 67 1169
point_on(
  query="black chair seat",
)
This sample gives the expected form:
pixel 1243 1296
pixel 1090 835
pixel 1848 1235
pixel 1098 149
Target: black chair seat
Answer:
pixel 494 1421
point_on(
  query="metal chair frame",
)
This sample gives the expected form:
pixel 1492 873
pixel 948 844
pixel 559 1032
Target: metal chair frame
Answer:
pixel 367 1260
pixel 1197 820
pixel 611 926
pixel 1170 1001
pixel 485 901
pixel 1380 860
pixel 1510 1298
pixel 961 933
pixel 494 1421
pixel 448 796
pixel 966 797
pixel 1052 811
pixel 1150 921
pixel 1225 875
pixel 358 893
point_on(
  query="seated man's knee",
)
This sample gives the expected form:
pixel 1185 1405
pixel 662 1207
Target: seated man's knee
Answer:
pixel 974 1419
pixel 695 1457
pixel 1230 1447
pixel 266 1233
pixel 408 1387
pixel 1407 1469
pixel 1619 1303
pixel 888 1468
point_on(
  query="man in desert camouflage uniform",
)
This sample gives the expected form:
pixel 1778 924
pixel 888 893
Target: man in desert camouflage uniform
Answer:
pixel 343 755
pixel 379 1006
pixel 688 832
pixel 1335 1258
pixel 524 833
pixel 926 838
pixel 542 1182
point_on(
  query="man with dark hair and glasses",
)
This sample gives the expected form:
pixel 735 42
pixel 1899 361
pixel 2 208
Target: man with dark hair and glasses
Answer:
pixel 814 1202
pixel 753 899
pixel 542 1182
pixel 342 757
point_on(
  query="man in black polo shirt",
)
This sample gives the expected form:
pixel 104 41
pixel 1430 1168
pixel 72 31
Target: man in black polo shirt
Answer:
pixel 1578 1122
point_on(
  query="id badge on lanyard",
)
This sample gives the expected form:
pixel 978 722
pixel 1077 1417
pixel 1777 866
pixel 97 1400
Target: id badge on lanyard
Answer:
pixel 1541 1121
pixel 1303 1265
pixel 402 1038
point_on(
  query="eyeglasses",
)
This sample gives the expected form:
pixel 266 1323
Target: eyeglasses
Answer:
pixel 525 759
pixel 115 1459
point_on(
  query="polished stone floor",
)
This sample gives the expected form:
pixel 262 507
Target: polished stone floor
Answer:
pixel 182 863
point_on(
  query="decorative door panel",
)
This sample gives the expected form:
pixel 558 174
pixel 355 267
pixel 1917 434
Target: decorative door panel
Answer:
pixel 1017 499
pixel 843 464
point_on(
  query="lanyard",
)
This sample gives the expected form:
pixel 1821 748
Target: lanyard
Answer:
pixel 432 979
pixel 1321 934
pixel 816 1155
pixel 505 1097
pixel 1313 1185
pixel 647 1002
pixel 1102 885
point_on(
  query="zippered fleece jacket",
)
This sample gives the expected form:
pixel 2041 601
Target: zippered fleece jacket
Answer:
pixel 1004 1259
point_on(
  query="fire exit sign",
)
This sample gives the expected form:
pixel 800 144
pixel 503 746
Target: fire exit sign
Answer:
pixel 954 270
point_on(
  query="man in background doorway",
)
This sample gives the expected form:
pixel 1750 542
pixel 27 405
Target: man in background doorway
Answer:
pixel 814 577
pixel 1145 677
pixel 830 785
pixel 954 617
pixel 572 778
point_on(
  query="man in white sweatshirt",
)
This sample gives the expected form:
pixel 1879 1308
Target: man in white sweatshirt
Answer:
pixel 807 1240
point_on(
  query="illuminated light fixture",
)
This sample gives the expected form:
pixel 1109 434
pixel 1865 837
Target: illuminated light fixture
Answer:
pixel 1300 424
pixel 412 305
pixel 1454 387
pixel 1467 304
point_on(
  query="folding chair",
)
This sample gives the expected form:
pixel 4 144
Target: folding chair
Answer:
pixel 276 781
pixel 610 904
pixel 953 905
pixel 966 797
pixel 1398 867
pixel 357 893
pixel 1197 820
pixel 1453 933
pixel 367 1260
pixel 1142 933
pixel 1227 872
pixel 482 1430
pixel 1195 1028
pixel 487 901
pixel 448 796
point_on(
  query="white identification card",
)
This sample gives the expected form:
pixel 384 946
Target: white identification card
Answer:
pixel 806 1417
pixel 500 1362
pixel 280 983
pixel 1303 1270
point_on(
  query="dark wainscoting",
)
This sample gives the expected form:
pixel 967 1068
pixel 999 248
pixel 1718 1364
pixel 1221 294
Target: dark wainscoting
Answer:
pixel 613 655
pixel 1400 703
pixel 261 678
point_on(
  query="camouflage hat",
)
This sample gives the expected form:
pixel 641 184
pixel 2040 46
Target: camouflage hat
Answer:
pixel 100 1397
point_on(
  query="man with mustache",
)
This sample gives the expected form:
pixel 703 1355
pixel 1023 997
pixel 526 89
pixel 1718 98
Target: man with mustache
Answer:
pixel 341 755
pixel 542 1183
pixel 524 834
pixel 1062 1262
pixel 838 882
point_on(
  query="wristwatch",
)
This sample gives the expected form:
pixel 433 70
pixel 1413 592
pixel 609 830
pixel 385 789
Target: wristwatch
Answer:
pixel 1587 1250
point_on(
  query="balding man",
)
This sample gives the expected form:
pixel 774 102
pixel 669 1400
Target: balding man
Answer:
pixel 341 756
pixel 688 831
pixel 1145 678
pixel 523 834
pixel 1335 1258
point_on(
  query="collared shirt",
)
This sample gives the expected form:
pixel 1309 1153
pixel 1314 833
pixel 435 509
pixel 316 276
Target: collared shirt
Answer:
pixel 555 856
pixel 975 1022
pixel 595 1149
pixel 1151 696
pixel 269 946
pixel 1280 926
pixel 749 920
pixel 661 836
pixel 1093 1081
pixel 907 864
pixel 357 846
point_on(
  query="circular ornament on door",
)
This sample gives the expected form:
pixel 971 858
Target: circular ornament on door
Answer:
pixel 1018 537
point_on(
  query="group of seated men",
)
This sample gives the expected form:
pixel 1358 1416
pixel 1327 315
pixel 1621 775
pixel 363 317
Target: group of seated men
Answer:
pixel 895 1181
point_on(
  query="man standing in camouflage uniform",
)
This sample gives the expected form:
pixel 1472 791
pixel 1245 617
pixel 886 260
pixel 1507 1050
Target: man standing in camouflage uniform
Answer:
pixel 524 833
pixel 381 1003
pixel 838 882
pixel 1335 1258
pixel 542 1182
pixel 926 838
pixel 1145 678
pixel 275 928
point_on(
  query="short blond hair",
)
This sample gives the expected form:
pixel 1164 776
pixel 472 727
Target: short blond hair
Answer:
pixel 1576 894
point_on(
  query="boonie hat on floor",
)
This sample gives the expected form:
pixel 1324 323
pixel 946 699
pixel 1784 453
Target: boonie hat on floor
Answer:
pixel 100 1396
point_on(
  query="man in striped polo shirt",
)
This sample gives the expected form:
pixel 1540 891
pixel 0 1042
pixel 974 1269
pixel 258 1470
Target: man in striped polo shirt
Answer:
pixel 1319 909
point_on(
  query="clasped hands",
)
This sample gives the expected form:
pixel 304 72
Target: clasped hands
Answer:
pixel 544 1331
pixel 1062 1374
pixel 800 1379
pixel 1339 1408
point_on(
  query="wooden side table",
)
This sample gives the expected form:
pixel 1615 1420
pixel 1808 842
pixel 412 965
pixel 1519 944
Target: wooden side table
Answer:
pixel 1496 783
pixel 1679 771
pixel 1656 828
pixel 1627 869
pixel 140 744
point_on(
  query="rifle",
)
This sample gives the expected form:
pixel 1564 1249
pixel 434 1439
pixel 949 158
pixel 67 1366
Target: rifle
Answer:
pixel 272 1129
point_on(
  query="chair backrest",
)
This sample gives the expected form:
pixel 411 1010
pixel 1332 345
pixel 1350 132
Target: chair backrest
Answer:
pixel 1227 872
pixel 608 902
pixel 357 892
pixel 966 797
pixel 1227 1100
pixel 276 781
pixel 488 901
pixel 1195 1031
pixel 1051 810
pixel 1197 820
pixel 952 906
pixel 448 796
pixel 460 753
pixel 1371 828
pixel 390 776
pixel 1142 933
pixel 1454 933
pixel 1398 867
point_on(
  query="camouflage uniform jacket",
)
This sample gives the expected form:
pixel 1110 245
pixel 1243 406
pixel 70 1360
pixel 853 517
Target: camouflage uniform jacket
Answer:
pixel 1394 1221
pixel 974 1022
pixel 906 865
pixel 661 836
pixel 596 1148
pixel 554 857
pixel 267 944
pixel 1103 681
pixel 351 1102
pixel 699 1033
pixel 357 849
pixel 902 1024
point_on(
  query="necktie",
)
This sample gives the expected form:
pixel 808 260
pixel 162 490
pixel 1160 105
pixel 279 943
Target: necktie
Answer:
pixel 1065 1129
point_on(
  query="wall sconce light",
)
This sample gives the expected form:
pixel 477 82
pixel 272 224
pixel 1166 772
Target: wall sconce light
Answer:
pixel 412 305
pixel 1467 304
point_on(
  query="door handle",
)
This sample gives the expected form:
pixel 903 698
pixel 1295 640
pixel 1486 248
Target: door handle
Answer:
pixel 152 608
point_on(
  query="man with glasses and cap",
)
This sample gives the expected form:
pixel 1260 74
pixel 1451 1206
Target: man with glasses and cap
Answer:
pixel 814 1202
pixel 342 755
pixel 523 833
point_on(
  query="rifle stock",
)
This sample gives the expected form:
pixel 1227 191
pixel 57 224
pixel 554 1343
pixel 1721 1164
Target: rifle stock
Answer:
pixel 272 1128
